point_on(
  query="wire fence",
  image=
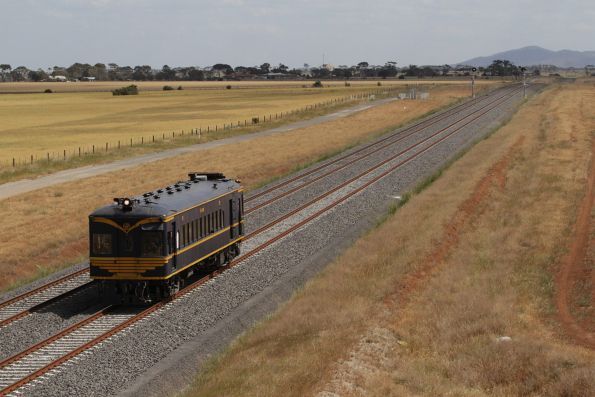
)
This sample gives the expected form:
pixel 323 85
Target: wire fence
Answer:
pixel 198 132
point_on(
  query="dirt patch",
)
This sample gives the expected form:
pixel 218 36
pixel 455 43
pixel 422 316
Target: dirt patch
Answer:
pixel 576 273
pixel 470 208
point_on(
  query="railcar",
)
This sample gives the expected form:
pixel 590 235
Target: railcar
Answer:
pixel 145 248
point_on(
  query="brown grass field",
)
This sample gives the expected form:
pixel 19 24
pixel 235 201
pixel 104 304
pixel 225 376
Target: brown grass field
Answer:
pixel 47 229
pixel 451 301
pixel 83 115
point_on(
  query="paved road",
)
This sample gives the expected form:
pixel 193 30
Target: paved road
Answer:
pixel 11 189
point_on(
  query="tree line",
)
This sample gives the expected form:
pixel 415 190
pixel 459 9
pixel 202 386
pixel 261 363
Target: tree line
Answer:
pixel 221 71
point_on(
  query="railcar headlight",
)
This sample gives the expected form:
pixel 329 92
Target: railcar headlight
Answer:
pixel 126 202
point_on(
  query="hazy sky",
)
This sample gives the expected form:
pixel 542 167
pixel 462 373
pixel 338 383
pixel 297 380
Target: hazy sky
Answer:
pixel 44 33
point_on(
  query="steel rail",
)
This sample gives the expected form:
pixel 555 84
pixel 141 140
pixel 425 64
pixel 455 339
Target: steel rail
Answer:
pixel 418 126
pixel 355 160
pixel 432 119
pixel 217 272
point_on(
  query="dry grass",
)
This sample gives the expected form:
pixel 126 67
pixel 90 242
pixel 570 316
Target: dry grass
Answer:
pixel 104 86
pixel 46 229
pixel 416 307
pixel 38 124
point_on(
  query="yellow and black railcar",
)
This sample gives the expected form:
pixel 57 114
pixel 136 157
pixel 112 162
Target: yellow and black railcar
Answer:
pixel 145 247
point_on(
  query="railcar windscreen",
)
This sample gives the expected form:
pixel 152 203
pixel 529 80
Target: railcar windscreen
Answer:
pixel 152 244
pixel 102 244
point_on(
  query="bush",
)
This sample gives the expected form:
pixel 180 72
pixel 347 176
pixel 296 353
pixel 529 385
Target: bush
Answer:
pixel 48 91
pixel 168 88
pixel 347 84
pixel 379 84
pixel 129 90
pixel 180 88
pixel 228 87
pixel 317 84
pixel 401 77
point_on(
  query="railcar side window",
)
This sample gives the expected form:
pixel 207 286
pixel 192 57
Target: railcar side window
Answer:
pixel 102 244
pixel 151 244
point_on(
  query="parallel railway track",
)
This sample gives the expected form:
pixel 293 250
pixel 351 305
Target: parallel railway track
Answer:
pixel 31 301
pixel 29 365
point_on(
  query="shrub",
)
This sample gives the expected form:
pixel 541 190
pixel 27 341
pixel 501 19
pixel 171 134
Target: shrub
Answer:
pixel 379 84
pixel 180 88
pixel 228 87
pixel 48 91
pixel 129 90
pixel 401 77
pixel 317 84
pixel 167 88
pixel 347 84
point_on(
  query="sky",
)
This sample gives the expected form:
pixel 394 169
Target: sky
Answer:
pixel 44 33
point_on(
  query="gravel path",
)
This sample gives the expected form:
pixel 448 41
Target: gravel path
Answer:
pixel 166 348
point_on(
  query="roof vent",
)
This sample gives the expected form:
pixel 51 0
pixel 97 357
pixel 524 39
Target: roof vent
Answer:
pixel 206 176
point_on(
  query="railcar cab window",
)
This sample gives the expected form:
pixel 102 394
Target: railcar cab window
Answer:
pixel 152 244
pixel 102 244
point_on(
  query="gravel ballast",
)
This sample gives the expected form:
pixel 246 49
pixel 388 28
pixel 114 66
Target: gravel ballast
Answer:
pixel 167 347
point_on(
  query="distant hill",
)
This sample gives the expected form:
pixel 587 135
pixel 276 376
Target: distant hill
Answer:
pixel 534 55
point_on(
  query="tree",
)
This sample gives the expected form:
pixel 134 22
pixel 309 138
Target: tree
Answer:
pixel 20 73
pixel 38 75
pixel 5 69
pixel 281 69
pixel 100 71
pixel 224 67
pixel 265 68
pixel 142 73
pixel 363 65
pixel 195 74
pixel 166 73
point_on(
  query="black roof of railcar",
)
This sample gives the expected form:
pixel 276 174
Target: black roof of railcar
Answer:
pixel 170 200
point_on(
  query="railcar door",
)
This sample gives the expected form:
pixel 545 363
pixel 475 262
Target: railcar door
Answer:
pixel 173 241
pixel 234 217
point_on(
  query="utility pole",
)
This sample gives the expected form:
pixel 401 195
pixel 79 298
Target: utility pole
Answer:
pixel 473 70
pixel 523 70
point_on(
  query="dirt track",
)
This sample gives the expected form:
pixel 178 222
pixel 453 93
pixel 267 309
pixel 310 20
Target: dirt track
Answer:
pixel 575 267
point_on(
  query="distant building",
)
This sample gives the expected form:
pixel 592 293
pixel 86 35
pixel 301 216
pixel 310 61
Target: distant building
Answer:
pixel 58 78
pixel 88 78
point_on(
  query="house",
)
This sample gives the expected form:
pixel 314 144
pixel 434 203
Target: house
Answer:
pixel 58 78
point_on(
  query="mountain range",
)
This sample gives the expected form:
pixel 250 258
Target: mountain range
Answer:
pixel 534 55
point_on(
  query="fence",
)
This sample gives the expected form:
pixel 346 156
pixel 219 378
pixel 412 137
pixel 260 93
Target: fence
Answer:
pixel 199 132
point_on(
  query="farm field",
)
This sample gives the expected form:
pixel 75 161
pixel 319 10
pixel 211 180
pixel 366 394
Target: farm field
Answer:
pixel 34 216
pixel 41 124
pixel 456 299
pixel 106 86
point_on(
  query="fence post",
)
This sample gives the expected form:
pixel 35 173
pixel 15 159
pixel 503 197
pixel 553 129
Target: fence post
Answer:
pixel 13 162
pixel 48 155
pixel 153 138
pixel 118 144
pixel 64 154
pixel 106 146
pixel 31 159
pixel 142 140
pixel 93 149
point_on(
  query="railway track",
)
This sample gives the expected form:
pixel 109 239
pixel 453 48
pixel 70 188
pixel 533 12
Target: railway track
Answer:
pixel 45 356
pixel 31 301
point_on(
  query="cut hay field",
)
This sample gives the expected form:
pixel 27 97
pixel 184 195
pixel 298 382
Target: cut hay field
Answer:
pixel 455 293
pixel 38 124
pixel 55 218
